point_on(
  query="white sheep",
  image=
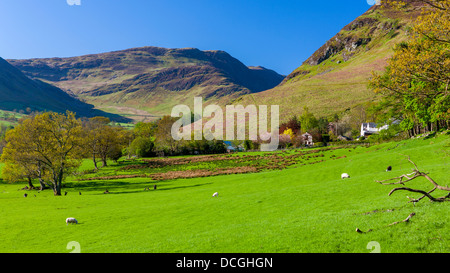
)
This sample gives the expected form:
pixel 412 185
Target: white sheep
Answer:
pixel 345 175
pixel 215 194
pixel 71 220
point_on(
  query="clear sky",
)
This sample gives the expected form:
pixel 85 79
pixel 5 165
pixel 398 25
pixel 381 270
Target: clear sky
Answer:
pixel 276 34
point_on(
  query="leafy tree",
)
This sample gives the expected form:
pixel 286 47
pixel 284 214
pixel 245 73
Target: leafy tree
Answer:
pixel 248 145
pixel 48 145
pixel 93 129
pixel 163 136
pixel 142 147
pixel 103 141
pixel 145 129
pixel 415 83
pixel 308 120
pixel 322 125
pixel 112 140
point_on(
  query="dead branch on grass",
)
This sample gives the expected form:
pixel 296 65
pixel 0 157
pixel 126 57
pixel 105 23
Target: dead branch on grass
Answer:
pixel 395 223
pixel 416 173
pixel 404 221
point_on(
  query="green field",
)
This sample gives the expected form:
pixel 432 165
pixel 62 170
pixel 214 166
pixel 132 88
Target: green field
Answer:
pixel 304 207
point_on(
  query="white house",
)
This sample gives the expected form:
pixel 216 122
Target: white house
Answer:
pixel 307 139
pixel 371 128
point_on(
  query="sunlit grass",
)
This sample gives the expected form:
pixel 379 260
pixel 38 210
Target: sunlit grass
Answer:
pixel 304 208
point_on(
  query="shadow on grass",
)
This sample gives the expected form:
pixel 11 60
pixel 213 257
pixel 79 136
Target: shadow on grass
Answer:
pixel 107 184
pixel 124 187
pixel 152 190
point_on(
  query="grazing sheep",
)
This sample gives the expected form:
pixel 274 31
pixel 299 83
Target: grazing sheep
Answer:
pixel 71 220
pixel 345 175
pixel 106 192
pixel 25 195
pixel 215 194
pixel 389 169
pixel 154 187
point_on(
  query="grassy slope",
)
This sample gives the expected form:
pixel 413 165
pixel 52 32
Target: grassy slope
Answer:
pixel 300 209
pixel 331 87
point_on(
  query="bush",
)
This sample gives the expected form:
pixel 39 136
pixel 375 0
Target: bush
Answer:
pixel 325 137
pixel 115 153
pixel 142 147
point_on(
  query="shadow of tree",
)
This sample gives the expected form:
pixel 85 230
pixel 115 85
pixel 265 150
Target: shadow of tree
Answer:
pixel 124 187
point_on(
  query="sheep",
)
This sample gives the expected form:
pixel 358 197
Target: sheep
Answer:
pixel 71 220
pixel 345 175
pixel 389 169
pixel 215 194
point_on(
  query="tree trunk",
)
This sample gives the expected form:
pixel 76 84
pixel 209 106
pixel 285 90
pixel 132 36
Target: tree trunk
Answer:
pixel 41 182
pixel 95 161
pixel 57 189
pixel 30 183
pixel 58 183
pixel 104 162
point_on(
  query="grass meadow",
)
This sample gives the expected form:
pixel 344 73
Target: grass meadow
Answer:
pixel 300 207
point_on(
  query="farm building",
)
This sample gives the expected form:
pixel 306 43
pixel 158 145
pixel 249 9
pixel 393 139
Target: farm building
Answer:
pixel 307 139
pixel 371 128
pixel 344 138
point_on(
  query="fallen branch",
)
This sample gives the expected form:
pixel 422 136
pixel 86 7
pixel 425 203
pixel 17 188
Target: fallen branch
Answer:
pixel 415 174
pixel 404 221
pixel 395 223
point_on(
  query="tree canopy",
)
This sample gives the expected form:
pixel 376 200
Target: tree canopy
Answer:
pixel 415 83
pixel 47 146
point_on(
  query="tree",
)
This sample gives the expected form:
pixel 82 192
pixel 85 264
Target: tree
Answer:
pixel 415 83
pixel 142 147
pixel 248 145
pixel 111 140
pixel 308 120
pixel 163 136
pixel 145 129
pixel 294 124
pixel 49 144
pixel 103 141
pixel 93 128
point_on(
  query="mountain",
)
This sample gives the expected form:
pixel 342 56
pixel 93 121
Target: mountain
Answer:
pixel 147 82
pixel 335 77
pixel 18 92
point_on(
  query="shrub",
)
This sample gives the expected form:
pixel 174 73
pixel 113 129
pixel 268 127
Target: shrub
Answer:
pixel 142 147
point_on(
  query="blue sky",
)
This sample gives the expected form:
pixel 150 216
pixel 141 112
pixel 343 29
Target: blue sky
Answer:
pixel 276 34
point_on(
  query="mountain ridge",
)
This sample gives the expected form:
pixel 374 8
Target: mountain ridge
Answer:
pixel 151 79
pixel 18 92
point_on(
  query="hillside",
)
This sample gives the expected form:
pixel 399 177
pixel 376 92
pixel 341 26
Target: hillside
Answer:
pixel 149 81
pixel 18 92
pixel 335 77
